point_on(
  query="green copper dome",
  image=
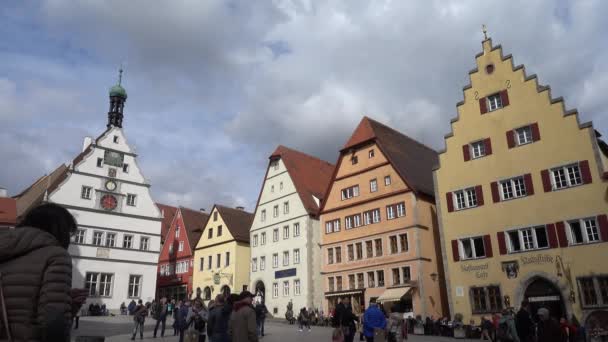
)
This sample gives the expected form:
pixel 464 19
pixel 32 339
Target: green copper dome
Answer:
pixel 118 90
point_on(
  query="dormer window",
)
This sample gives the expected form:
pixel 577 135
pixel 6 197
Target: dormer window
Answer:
pixel 116 139
pixel 371 153
pixel 354 160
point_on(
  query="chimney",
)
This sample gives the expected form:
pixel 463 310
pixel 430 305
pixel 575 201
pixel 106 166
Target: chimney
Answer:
pixel 240 208
pixel 202 210
pixel 86 143
pixel 3 192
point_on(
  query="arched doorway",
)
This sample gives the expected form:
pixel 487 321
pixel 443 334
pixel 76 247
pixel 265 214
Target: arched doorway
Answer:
pixel 597 320
pixel 207 293
pixel 260 291
pixel 225 291
pixel 542 293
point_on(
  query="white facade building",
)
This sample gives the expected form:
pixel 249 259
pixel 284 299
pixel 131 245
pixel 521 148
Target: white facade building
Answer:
pixel 285 234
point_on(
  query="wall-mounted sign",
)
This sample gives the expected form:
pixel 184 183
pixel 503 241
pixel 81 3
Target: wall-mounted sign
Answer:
pixel 481 271
pixel 459 291
pixel 285 273
pixel 216 279
pixel 538 259
pixel 103 253
pixel 113 158
pixel 511 268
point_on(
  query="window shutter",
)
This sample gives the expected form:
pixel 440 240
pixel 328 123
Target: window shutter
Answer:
pixel 455 253
pixel 502 245
pixel 483 105
pixel 466 152
pixel 602 220
pixel 479 195
pixel 529 184
pixel 488 145
pixel 561 234
pixel 544 174
pixel 552 236
pixel 511 138
pixel 495 195
pixel 535 132
pixel 450 202
pixel 585 172
pixel 487 243
pixel 504 98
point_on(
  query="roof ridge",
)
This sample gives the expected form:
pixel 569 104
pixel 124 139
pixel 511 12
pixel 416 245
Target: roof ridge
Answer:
pixel 304 153
pixel 401 133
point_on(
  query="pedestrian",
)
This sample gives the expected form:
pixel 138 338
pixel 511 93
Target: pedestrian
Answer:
pixel 123 308
pixel 487 329
pixel 139 317
pixel 304 319
pixel 242 327
pixel 132 306
pixel 176 318
pixel 345 319
pixel 217 325
pixel 197 319
pixel 396 325
pixel 182 315
pixel 565 327
pixel 161 311
pixel 548 328
pixel 170 307
pixel 36 274
pixel 260 316
pixel 507 332
pixel 524 323
pixel 76 319
pixel 373 319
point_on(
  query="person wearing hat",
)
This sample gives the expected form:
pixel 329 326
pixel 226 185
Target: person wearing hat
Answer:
pixel 242 326
pixel 548 328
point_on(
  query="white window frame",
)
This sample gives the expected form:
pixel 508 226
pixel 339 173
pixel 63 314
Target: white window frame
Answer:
pixel 375 215
pixel 80 236
pixel 390 212
pixel 180 247
pixel 373 185
pixel 275 260
pixel 263 215
pixel 135 281
pixel 97 238
pixel 262 263
pixel 387 180
pixel 255 240
pixel 124 241
pixel 367 218
pixel 285 208
pixel 177 231
pixel 144 243
pixel 521 232
pixel 285 232
pixel 592 229
pixel 370 153
pixel 296 229
pixel 110 239
pixel 478 149
pixel 494 102
pixel 348 222
pixel 402 248
pixel 569 171
pixel 523 135
pixel 286 288
pixel 296 287
pixel 471 240
pixel 275 211
pixel 254 264
pixel 296 256
pixel 86 192
pixel 510 185
pixel 275 290
pixel 285 258
pixel 400 209
pixel 275 234
pixel 350 192
pixel 131 200
pixel 356 221
pixel 467 202
pixel 102 287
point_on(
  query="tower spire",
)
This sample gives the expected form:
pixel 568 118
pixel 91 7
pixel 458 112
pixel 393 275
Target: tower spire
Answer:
pixel 484 29
pixel 120 75
pixel 118 96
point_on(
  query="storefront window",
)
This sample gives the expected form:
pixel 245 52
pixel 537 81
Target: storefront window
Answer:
pixel 478 297
pixel 588 289
pixel 486 299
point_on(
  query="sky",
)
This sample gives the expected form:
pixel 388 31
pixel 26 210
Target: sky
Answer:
pixel 214 86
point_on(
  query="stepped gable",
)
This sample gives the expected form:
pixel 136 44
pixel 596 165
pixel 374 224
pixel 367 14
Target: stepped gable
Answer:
pixel 168 216
pixel 34 194
pixel 413 160
pixel 238 222
pixel 311 176
pixel 194 224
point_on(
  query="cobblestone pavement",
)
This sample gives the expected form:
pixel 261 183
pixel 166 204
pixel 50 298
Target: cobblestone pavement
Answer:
pixel 119 328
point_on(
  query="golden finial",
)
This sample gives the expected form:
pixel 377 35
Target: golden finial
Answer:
pixel 484 29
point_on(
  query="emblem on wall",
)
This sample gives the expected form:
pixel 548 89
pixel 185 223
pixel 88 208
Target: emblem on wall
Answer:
pixel 511 269
pixel 112 172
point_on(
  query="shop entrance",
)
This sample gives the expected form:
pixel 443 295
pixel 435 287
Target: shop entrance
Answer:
pixel 542 293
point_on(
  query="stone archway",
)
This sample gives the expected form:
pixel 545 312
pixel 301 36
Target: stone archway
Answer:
pixel 225 291
pixel 260 291
pixel 534 278
pixel 207 293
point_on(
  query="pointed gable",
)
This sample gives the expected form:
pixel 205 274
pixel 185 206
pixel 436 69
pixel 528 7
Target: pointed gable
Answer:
pixel 194 224
pixel 364 132
pixel 238 222
pixel 311 176
pixel 168 213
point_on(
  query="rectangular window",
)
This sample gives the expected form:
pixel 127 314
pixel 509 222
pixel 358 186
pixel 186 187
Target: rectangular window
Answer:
pixel 275 211
pixel 351 252
pixel 285 232
pixel 296 256
pixel 296 287
pixel 396 276
pixel 330 256
pixel 134 286
pixel 360 281
pixel 116 139
pixel 330 284
pixel 348 222
pixel 286 288
pixel 262 263
pixel 369 248
pixel 513 188
pixel 275 235
pixel 354 160
pixel 263 215
pixel 339 283
pixel 110 239
pixel 359 250
pixel 227 261
pixel 603 285
pixel 494 298
pixel 177 231
pixel 275 290
pixel 371 279
pixel 218 263
pixel 255 240
pixel 370 153
pixel 127 241
pixel 91 283
pixel 350 192
pixel 380 276
pixel 332 226
pixel 296 229
pixel 281 186
pixel 373 185
pixel 387 180
pixel 357 220
pixel 171 249
pixel 527 239
pixel 494 102
pixel 202 265
pixel 338 255
pixel 275 165
pixel 390 212
pixel 85 193
pixel 393 244
pixel 466 198
pixel 478 149
pixel 375 215
pixel 263 238
pixel 275 260
pixel 125 168
pixel 99 162
pixel 472 248
pixel 403 242
pixel 588 291
pixel 583 231
pixel 214 216
pixel 478 299
pixel 285 207
pixel 401 209
pixel 79 237
pixel 286 258
pixel 144 243
pixel 219 230
pixel 367 217
pixel 210 233
pixel 254 265
pixel 406 275
pixel 351 281
pixel 180 247
pixel 99 284
pixel 209 262
pixel 97 238
pixel 131 198
pixel 566 176
pixel 378 243
pixel 524 135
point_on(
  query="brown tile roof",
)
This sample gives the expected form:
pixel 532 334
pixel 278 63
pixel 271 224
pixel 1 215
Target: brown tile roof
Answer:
pixel 194 222
pixel 168 215
pixel 34 194
pixel 311 176
pixel 413 161
pixel 8 211
pixel 238 222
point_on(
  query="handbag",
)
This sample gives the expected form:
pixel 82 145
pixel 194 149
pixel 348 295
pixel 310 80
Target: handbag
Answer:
pixel 337 335
pixel 4 327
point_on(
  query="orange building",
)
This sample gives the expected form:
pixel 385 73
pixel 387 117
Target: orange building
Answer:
pixel 380 238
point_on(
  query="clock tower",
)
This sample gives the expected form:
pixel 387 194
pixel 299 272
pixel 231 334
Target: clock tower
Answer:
pixel 118 97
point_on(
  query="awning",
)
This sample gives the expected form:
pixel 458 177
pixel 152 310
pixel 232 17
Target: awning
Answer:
pixel 393 295
pixel 343 293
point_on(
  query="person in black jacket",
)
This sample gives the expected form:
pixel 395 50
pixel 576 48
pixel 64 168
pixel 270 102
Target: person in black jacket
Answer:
pixel 345 318
pixel 260 317
pixel 217 326
pixel 524 323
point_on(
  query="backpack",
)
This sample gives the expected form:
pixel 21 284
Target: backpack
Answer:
pixel 502 333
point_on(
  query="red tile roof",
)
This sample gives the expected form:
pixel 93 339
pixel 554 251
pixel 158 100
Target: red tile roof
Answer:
pixel 168 213
pixel 34 194
pixel 194 224
pixel 311 176
pixel 8 211
pixel 238 222
pixel 411 159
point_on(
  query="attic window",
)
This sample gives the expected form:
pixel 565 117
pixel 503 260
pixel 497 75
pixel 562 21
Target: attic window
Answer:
pixel 354 159
pixel 489 68
pixel 371 153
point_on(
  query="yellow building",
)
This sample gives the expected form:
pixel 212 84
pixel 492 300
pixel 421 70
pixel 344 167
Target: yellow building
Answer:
pixel 521 196
pixel 221 257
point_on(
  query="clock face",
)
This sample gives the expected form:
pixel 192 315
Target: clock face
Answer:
pixel 109 202
pixel 111 185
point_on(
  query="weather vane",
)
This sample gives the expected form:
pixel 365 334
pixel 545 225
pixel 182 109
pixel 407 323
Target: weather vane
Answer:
pixel 485 31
